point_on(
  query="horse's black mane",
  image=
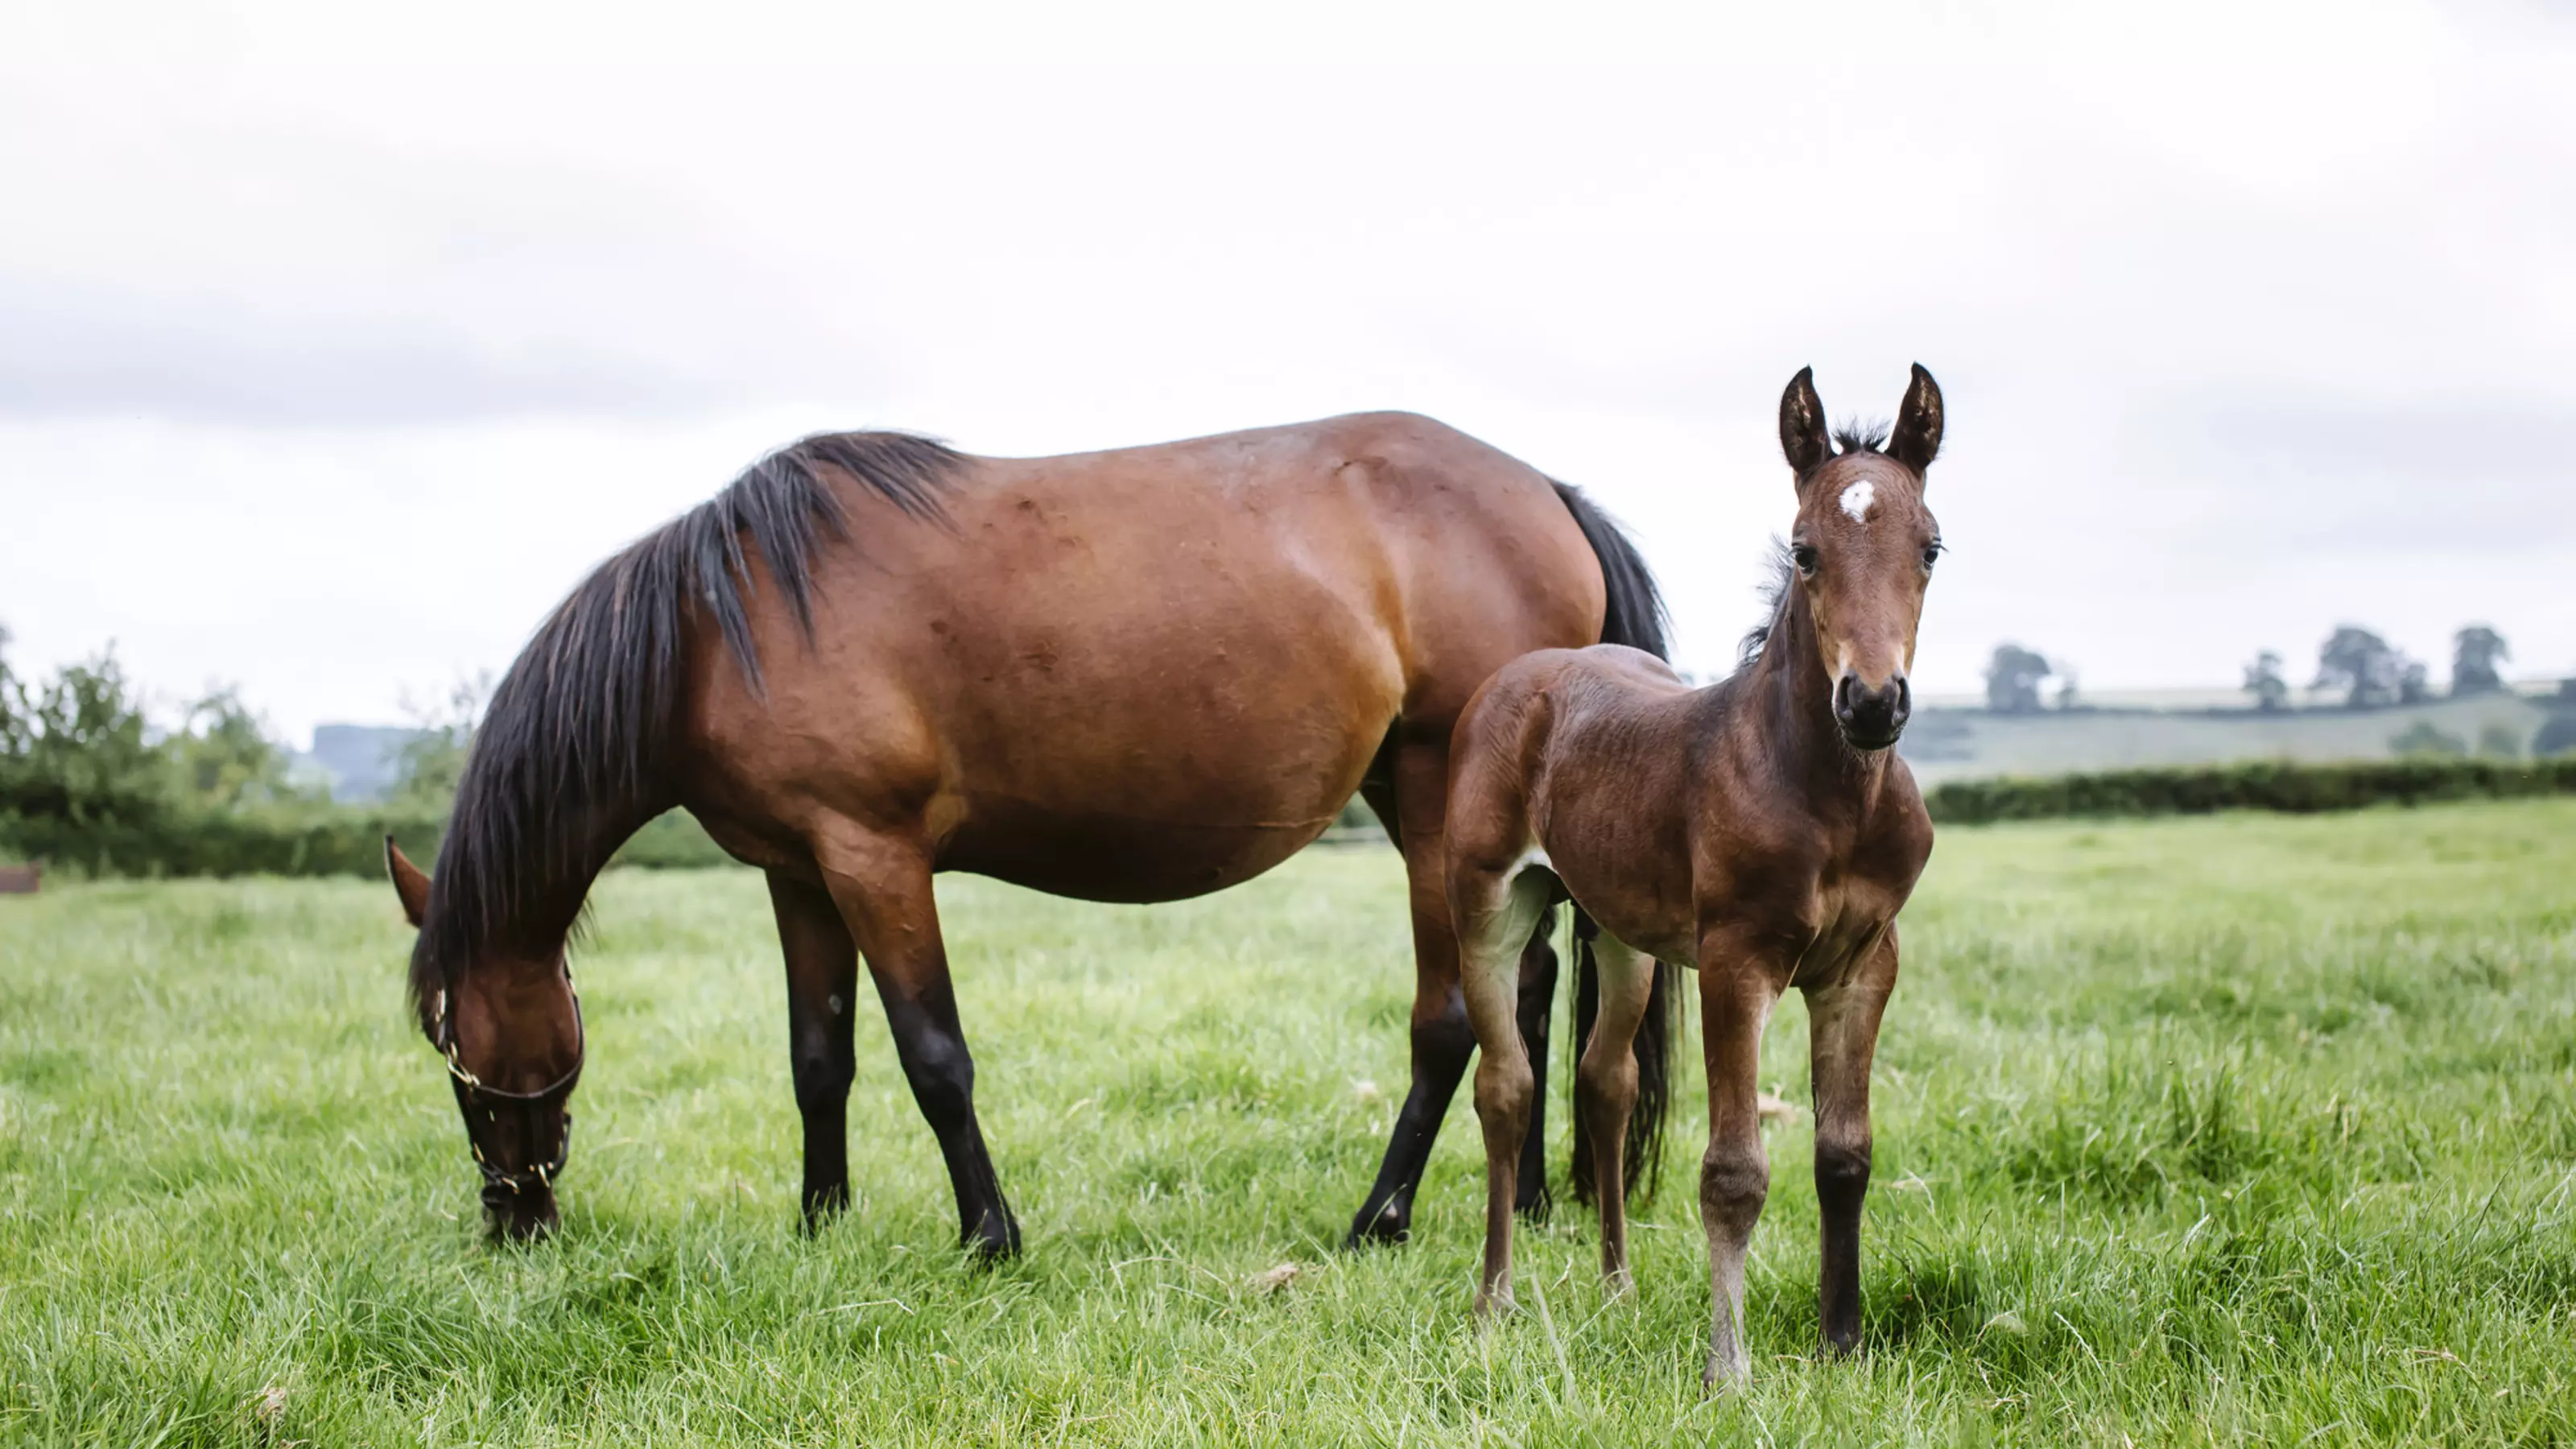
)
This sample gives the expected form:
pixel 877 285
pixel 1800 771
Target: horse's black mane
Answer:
pixel 570 755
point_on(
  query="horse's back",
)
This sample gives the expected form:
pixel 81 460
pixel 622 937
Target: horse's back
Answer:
pixel 1157 671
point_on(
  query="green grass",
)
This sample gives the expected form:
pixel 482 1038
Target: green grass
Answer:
pixel 2242 1129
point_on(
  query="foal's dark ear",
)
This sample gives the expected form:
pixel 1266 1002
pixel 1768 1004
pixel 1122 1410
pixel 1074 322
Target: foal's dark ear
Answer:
pixel 410 883
pixel 1802 425
pixel 1917 439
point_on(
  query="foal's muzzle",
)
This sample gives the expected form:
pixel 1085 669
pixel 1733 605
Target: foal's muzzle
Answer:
pixel 1871 719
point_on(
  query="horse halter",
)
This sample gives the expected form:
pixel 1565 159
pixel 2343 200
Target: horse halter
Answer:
pixel 472 1093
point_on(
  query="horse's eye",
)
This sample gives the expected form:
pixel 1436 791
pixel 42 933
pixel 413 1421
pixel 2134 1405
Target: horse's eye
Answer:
pixel 1931 554
pixel 1804 556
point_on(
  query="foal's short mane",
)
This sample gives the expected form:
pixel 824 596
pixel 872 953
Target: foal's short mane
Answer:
pixel 1855 435
pixel 571 754
pixel 1861 435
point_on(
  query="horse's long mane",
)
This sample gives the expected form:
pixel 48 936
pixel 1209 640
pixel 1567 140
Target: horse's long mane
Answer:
pixel 571 755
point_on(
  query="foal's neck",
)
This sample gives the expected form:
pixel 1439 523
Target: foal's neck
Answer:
pixel 1790 707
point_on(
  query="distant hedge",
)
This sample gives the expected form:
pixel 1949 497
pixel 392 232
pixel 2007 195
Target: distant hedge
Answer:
pixel 285 839
pixel 2296 789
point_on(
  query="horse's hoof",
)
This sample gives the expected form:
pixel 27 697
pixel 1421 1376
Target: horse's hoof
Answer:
pixel 1537 1208
pixel 1385 1228
pixel 1723 1377
pixel 989 1242
pixel 1493 1306
pixel 1619 1286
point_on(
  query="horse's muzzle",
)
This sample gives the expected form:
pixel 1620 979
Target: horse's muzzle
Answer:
pixel 518 1217
pixel 1871 719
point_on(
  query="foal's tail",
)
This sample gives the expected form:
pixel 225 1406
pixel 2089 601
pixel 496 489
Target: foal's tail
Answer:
pixel 1634 616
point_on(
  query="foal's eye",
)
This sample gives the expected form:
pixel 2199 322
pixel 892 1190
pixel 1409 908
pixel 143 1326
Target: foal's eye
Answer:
pixel 1931 554
pixel 1804 556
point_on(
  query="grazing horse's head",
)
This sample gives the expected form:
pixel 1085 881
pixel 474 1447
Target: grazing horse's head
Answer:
pixel 1863 549
pixel 510 1030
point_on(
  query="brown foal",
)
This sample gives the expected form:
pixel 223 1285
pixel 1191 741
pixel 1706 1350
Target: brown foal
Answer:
pixel 1762 830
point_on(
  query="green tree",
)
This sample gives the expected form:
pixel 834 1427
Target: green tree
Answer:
pixel 2475 651
pixel 2264 681
pixel 2013 677
pixel 2365 667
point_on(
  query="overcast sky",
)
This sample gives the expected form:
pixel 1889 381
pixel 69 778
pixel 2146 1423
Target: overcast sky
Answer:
pixel 334 348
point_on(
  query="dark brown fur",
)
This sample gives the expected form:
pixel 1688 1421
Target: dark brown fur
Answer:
pixel 1761 829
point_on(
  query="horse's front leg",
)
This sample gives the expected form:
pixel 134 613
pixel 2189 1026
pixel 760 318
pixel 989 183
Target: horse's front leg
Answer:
pixel 1843 1021
pixel 822 982
pixel 1737 988
pixel 882 885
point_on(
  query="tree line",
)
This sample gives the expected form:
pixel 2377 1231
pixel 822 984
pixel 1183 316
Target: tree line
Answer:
pixel 2367 670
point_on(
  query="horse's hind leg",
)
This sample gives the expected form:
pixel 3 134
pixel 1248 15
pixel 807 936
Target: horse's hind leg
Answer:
pixel 883 889
pixel 1607 1073
pixel 822 982
pixel 1843 1025
pixel 1413 800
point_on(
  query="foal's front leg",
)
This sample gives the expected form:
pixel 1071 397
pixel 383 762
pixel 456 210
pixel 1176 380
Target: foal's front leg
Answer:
pixel 1736 992
pixel 1843 1022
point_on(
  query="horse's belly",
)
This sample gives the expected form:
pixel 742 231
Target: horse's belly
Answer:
pixel 1103 857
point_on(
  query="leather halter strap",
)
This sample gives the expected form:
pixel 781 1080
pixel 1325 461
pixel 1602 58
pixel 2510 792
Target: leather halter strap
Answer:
pixel 472 1091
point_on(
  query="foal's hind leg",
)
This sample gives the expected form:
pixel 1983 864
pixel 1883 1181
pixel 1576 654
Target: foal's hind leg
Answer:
pixel 822 985
pixel 1496 912
pixel 1843 1022
pixel 1537 1006
pixel 883 889
pixel 1607 1073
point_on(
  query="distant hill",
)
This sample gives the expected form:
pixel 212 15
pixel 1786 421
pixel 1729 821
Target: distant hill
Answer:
pixel 357 762
pixel 1949 741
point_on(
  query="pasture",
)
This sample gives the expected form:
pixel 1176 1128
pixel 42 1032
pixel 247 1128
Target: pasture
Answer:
pixel 2245 1129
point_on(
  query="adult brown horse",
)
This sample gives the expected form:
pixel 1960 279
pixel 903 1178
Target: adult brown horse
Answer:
pixel 1126 676
pixel 1762 829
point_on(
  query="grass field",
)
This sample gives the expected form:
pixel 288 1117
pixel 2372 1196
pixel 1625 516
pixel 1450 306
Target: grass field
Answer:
pixel 2240 1129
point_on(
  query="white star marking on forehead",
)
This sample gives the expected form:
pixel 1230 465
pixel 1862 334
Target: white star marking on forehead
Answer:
pixel 1857 498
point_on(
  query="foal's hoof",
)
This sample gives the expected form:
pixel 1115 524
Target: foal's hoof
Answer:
pixel 1386 1227
pixel 1724 1376
pixel 1491 1307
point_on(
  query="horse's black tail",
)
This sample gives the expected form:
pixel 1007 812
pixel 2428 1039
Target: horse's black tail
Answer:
pixel 1634 617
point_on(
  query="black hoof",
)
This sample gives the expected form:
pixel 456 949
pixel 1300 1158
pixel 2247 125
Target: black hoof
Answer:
pixel 822 1204
pixel 1534 1207
pixel 989 1242
pixel 1386 1227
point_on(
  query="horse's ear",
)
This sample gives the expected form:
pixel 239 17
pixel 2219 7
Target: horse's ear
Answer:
pixel 1802 425
pixel 1917 439
pixel 410 883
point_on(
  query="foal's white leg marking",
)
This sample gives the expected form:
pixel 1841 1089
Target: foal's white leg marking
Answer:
pixel 1857 498
pixel 1490 935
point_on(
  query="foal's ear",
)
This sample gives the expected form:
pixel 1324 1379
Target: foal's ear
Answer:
pixel 1802 425
pixel 1917 439
pixel 410 883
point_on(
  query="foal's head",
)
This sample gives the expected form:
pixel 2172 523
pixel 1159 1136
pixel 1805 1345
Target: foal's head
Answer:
pixel 1863 549
pixel 510 1029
